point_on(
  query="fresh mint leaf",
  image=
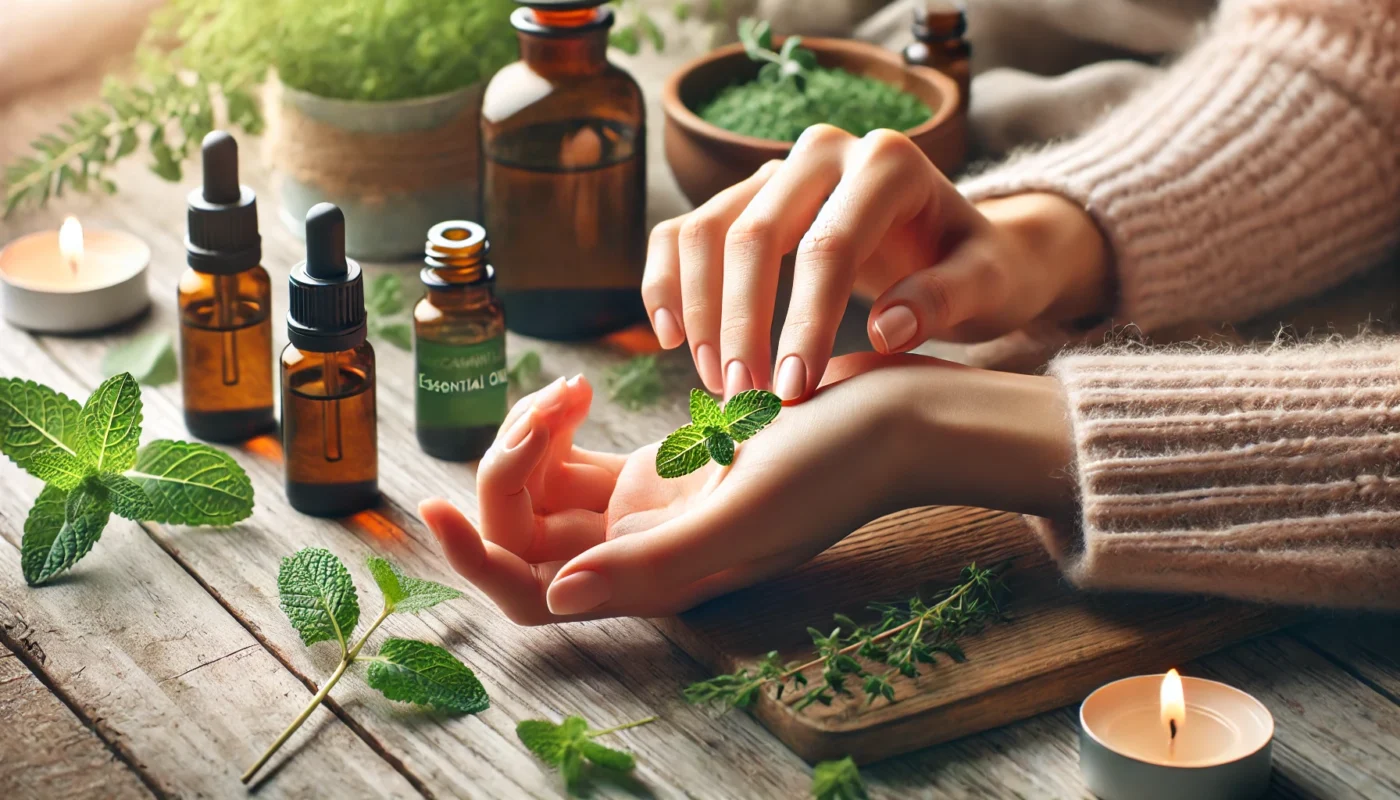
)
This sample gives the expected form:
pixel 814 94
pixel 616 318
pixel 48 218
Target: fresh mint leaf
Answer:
pixel 129 500
pixel 636 383
pixel 35 420
pixel 837 780
pixel 59 468
pixel 720 446
pixel 384 295
pixel 683 452
pixel 61 528
pixel 318 596
pixel 399 334
pixel 749 412
pixel 193 484
pixel 111 425
pixel 428 675
pixel 150 359
pixel 524 374
pixel 405 594
pixel 567 744
pixel 704 411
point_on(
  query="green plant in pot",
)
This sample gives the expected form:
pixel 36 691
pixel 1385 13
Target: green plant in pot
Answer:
pixel 372 106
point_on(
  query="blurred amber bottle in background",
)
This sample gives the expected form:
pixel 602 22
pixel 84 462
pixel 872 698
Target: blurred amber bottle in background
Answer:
pixel 564 185
pixel 939 28
pixel 225 302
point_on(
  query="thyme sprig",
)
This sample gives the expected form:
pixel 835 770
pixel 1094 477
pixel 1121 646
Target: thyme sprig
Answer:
pixel 907 635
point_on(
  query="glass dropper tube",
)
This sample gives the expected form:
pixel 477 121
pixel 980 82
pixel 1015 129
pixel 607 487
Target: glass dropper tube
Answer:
pixel 330 409
pixel 226 320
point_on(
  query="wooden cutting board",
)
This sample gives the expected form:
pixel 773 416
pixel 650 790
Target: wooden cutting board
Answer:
pixel 1058 646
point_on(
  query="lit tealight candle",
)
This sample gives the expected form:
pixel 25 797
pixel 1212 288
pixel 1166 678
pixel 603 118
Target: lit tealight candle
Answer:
pixel 1155 737
pixel 71 281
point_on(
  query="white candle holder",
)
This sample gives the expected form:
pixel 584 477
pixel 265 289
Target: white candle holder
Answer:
pixel 41 294
pixel 1223 750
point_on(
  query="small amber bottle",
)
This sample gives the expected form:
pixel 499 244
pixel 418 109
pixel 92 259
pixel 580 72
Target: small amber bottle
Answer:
pixel 328 411
pixel 939 27
pixel 225 302
pixel 564 183
pixel 459 346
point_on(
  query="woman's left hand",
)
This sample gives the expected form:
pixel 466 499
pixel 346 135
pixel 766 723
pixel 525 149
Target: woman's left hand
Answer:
pixel 569 534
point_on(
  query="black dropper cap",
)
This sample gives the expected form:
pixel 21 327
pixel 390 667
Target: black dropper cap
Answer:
pixel 222 221
pixel 326 295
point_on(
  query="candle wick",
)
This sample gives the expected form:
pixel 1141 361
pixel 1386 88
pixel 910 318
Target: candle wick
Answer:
pixel 1171 723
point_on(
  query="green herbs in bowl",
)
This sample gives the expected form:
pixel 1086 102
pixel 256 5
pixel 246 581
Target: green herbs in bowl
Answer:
pixel 792 93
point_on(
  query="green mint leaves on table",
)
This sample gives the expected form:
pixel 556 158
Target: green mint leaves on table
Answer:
pixel 149 358
pixel 525 375
pixel 319 598
pixel 384 311
pixel 837 780
pixel 635 383
pixel 712 432
pixel 907 635
pixel 568 744
pixel 91 462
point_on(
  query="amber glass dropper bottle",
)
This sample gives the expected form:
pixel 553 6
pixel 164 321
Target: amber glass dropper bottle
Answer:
pixel 459 346
pixel 564 176
pixel 225 301
pixel 328 410
pixel 939 28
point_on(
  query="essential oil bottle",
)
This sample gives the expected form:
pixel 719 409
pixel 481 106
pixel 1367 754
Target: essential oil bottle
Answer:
pixel 564 184
pixel 939 27
pixel 328 411
pixel 225 301
pixel 459 346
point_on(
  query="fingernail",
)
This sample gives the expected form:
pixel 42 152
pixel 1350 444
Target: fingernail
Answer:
pixel 577 593
pixel 519 430
pixel 895 326
pixel 707 363
pixel 792 378
pixel 668 331
pixel 574 382
pixel 550 396
pixel 737 379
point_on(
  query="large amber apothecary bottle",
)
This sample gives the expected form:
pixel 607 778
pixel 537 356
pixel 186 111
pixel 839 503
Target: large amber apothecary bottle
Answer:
pixel 564 184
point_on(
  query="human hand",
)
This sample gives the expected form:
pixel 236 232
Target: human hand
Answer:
pixel 871 216
pixel 569 534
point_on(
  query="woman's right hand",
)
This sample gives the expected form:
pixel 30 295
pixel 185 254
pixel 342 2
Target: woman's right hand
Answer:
pixel 870 216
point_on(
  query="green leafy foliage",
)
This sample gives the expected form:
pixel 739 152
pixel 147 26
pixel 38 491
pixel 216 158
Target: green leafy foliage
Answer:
pixel 635 383
pixel 150 359
pixel 792 93
pixel 346 49
pixel 837 780
pixel 190 483
pixel 53 540
pixel 318 596
pixel 426 675
pixel 320 600
pixel 906 637
pixel 111 425
pixel 385 311
pixel 405 594
pixel 713 432
pixel 526 374
pixel 569 747
pixel 81 453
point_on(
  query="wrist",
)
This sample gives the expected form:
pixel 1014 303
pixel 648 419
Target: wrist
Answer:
pixel 1063 248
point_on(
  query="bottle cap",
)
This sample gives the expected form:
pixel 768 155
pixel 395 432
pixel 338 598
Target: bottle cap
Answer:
pixel 326 295
pixel 455 254
pixel 222 220
pixel 948 21
pixel 554 18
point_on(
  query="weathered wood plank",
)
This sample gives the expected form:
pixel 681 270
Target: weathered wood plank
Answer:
pixel 1367 646
pixel 48 752
pixel 162 672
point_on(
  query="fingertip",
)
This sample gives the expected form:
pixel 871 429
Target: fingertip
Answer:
pixel 460 542
pixel 669 333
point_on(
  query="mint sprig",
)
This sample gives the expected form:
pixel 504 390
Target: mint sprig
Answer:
pixel 838 780
pixel 90 459
pixel 319 598
pixel 713 432
pixel 566 745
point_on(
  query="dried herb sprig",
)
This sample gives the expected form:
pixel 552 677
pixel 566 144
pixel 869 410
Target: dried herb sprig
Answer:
pixel 907 635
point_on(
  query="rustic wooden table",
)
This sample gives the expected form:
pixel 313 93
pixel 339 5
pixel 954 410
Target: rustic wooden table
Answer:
pixel 162 665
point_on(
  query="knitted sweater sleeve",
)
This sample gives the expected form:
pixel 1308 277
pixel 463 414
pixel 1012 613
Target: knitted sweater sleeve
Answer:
pixel 1262 167
pixel 1271 476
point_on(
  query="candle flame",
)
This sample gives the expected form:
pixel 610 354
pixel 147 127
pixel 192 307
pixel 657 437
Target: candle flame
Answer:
pixel 70 242
pixel 1173 703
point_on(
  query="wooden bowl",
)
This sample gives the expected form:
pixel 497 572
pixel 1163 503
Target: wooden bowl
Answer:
pixel 706 158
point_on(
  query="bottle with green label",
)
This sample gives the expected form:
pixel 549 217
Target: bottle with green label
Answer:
pixel 459 346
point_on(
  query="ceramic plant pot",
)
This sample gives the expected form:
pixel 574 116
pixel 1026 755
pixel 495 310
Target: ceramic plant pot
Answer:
pixel 395 168
pixel 706 158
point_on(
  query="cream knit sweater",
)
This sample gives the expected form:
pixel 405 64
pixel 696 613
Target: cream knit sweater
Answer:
pixel 1262 167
